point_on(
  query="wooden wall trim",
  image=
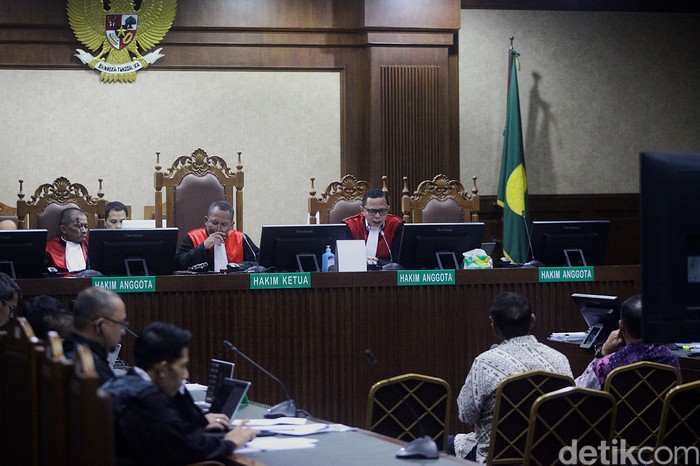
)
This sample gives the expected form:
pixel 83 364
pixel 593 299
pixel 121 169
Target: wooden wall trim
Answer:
pixel 678 6
pixel 353 37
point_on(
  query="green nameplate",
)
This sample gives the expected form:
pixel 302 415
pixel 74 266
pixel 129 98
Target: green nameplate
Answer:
pixel 267 281
pixel 565 274
pixel 126 284
pixel 425 277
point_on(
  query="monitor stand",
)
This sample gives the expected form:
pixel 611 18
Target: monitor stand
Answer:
pixel 592 337
pixel 307 263
pixel 136 267
pixel 575 258
pixel 450 260
pixel 8 267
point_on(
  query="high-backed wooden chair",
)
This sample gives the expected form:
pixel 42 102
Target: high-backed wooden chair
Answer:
pixel 191 184
pixel 514 399
pixel 639 390
pixel 54 373
pixel 440 200
pixel 21 354
pixel 44 208
pixel 91 417
pixel 8 213
pixel 680 423
pixel 559 418
pixel 409 406
pixel 339 200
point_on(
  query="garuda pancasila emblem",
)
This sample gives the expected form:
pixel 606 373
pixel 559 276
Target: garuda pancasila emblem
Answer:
pixel 119 32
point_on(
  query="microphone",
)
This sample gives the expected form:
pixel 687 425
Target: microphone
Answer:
pixel 255 256
pixel 421 447
pixel 391 256
pixel 533 262
pixel 286 408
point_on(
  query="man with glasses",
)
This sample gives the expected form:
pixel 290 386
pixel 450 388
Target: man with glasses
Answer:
pixel 217 243
pixel 10 294
pixel 380 230
pixel 67 252
pixel 99 321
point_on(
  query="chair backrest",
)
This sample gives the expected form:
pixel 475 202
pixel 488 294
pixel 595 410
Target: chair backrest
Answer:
pixel 639 390
pixel 44 208
pixel 440 200
pixel 8 213
pixel 339 200
pixel 90 415
pixel 514 399
pixel 680 422
pixel 559 418
pixel 54 374
pixel 409 406
pixel 21 354
pixel 191 184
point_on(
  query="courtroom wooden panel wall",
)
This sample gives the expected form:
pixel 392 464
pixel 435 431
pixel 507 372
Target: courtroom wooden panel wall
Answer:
pixel 314 339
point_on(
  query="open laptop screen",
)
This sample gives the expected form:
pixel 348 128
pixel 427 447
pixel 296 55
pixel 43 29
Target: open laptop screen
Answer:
pixel 229 396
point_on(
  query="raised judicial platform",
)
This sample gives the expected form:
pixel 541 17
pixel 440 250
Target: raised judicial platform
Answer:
pixel 313 338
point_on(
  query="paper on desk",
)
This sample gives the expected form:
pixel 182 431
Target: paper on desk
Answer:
pixel 296 421
pixel 277 443
pixel 298 431
pixel 568 337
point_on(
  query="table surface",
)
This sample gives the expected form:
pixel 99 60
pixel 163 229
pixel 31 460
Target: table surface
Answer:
pixel 338 448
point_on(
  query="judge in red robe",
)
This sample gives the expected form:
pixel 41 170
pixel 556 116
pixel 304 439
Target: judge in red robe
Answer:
pixel 67 252
pixel 217 243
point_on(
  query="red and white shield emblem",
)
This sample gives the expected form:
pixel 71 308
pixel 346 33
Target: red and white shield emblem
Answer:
pixel 121 29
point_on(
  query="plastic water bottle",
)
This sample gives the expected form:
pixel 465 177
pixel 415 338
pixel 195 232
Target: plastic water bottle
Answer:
pixel 328 260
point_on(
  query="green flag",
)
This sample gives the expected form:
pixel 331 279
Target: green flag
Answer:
pixel 512 184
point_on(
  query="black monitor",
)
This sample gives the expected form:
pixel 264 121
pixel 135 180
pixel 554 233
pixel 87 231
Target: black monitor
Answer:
pixel 601 313
pixel 570 242
pixel 298 248
pixel 438 245
pixel 133 252
pixel 670 246
pixel 23 253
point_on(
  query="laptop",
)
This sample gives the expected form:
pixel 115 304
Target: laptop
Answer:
pixel 229 396
pixel 218 371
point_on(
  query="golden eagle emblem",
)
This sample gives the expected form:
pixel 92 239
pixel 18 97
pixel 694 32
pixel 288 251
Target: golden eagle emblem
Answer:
pixel 119 32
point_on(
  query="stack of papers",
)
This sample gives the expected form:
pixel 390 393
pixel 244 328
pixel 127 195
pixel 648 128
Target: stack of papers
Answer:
pixel 276 443
pixel 293 426
pixel 568 337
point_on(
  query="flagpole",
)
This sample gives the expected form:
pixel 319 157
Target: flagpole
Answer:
pixel 510 62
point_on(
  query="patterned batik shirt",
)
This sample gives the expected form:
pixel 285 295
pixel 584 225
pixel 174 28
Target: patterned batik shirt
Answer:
pixel 478 395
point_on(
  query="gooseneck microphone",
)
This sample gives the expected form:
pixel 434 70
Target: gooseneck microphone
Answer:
pixel 250 246
pixel 391 256
pixel 421 447
pixel 286 408
pixel 531 252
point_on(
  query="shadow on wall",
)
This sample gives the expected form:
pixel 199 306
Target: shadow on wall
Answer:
pixel 538 145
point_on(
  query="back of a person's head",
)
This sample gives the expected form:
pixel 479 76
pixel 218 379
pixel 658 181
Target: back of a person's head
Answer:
pixel 158 342
pixel 115 206
pixel 45 313
pixel 375 194
pixel 8 287
pixel 92 303
pixel 631 315
pixel 511 314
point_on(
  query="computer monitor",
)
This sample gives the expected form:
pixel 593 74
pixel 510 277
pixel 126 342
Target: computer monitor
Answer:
pixel 298 248
pixel 438 245
pixel 570 242
pixel 670 246
pixel 23 253
pixel 133 252
pixel 601 313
